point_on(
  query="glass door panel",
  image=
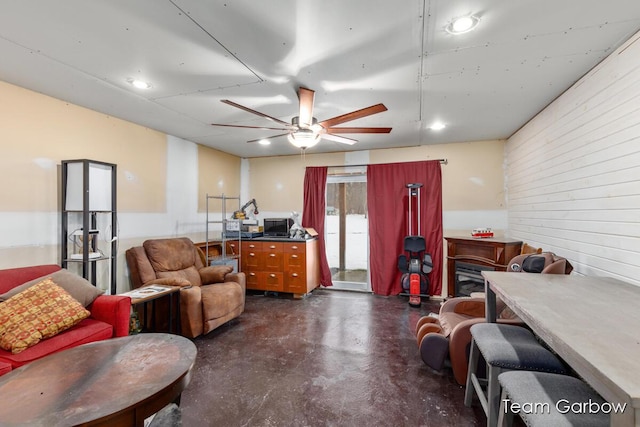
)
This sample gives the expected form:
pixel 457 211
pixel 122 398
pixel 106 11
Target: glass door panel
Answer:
pixel 347 232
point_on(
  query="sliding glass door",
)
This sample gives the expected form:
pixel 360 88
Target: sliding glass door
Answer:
pixel 347 231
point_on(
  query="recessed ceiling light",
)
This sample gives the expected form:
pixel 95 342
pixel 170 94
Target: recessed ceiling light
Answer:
pixel 437 126
pixel 264 142
pixel 140 84
pixel 462 25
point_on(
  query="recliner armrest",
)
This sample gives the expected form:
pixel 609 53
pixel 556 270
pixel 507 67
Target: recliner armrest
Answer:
pixel 239 278
pixel 214 273
pixel 459 341
pixel 169 281
pixel 464 305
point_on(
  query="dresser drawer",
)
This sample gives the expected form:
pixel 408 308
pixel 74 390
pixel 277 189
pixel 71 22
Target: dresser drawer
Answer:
pixel 272 246
pixel 253 280
pixel 273 282
pixel 233 247
pixel 292 248
pixel 251 246
pixel 296 281
pixel 295 260
pixel 273 261
pixel 252 260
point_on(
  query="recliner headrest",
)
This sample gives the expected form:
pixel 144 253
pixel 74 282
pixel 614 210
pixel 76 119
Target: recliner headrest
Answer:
pixel 170 254
pixel 545 263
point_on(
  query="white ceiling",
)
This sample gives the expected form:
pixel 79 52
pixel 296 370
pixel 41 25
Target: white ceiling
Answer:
pixel 484 84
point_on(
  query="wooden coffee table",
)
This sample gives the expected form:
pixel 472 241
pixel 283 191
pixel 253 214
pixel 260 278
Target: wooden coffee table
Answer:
pixel 116 382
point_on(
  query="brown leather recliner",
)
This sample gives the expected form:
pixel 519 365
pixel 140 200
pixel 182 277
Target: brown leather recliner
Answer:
pixel 449 335
pixel 210 295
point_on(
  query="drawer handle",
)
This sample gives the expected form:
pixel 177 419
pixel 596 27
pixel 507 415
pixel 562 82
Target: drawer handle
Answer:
pixel 294 256
pixel 272 275
pixel 252 274
pixel 272 255
pixel 294 247
pixel 295 275
pixel 252 254
pixel 272 247
pixel 252 246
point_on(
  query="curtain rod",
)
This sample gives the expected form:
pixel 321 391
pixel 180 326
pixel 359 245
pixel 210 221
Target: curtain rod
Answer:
pixel 443 161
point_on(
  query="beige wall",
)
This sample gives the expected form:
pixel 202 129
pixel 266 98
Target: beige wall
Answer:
pixel 277 182
pixel 218 173
pixel 37 132
pixel 471 181
pixel 162 180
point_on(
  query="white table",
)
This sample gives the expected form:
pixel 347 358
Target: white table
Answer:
pixel 593 323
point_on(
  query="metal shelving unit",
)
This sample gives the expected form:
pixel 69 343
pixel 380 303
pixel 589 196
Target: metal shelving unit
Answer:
pixel 224 258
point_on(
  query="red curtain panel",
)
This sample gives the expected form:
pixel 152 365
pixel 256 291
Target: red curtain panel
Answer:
pixel 313 214
pixel 388 201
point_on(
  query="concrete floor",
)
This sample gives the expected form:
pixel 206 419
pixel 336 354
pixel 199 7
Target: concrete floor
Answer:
pixel 358 276
pixel 331 359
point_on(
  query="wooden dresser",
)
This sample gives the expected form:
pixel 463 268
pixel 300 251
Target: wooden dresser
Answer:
pixel 281 265
pixel 486 253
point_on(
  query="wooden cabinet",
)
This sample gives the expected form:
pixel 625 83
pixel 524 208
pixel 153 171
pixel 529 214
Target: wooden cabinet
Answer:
pixel 295 265
pixel 277 266
pixel 487 254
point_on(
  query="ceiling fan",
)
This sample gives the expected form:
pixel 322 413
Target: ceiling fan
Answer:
pixel 305 131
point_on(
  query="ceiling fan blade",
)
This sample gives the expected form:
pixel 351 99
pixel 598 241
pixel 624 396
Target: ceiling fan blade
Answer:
pixel 257 113
pixel 268 137
pixel 305 116
pixel 374 109
pixel 358 130
pixel 247 127
pixel 336 138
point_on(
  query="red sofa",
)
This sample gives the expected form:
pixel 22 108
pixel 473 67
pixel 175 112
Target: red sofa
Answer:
pixel 109 318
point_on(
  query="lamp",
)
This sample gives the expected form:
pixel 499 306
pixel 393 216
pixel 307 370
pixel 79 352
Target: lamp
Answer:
pixel 92 179
pixel 304 138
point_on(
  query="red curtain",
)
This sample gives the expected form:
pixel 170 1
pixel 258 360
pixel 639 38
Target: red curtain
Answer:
pixel 387 199
pixel 313 214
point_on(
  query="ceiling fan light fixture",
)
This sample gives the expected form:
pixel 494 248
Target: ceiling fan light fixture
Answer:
pixel 303 138
pixel 462 24
pixel 305 131
pixel 295 121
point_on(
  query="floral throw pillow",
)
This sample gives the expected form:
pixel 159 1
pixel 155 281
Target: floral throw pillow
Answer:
pixel 37 313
